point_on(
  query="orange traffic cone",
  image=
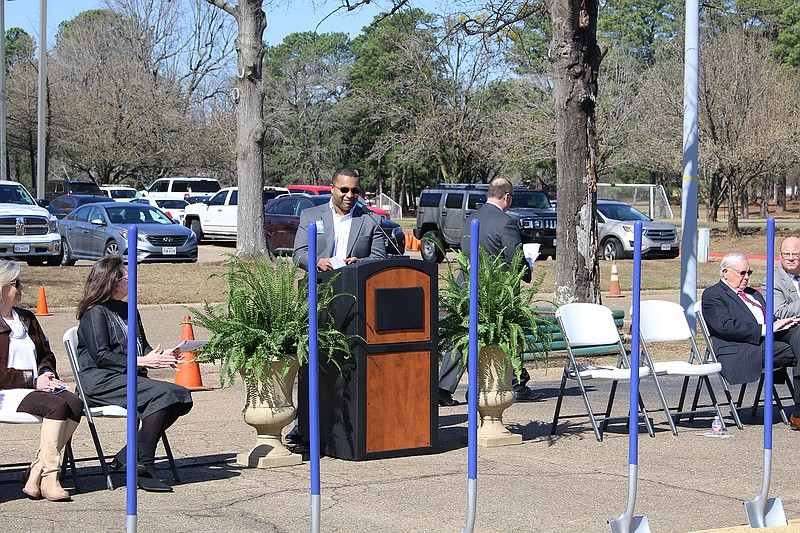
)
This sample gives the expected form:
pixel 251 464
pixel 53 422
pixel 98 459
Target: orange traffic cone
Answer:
pixel 41 304
pixel 189 371
pixel 613 291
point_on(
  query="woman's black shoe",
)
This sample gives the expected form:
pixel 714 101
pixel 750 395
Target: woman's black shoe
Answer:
pixel 118 464
pixel 149 481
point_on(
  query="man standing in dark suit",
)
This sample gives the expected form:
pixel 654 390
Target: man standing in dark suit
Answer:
pixel 499 233
pixel 735 315
pixel 345 232
pixel 787 280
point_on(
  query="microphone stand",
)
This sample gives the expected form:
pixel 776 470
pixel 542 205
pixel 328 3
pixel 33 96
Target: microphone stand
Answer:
pixel 370 214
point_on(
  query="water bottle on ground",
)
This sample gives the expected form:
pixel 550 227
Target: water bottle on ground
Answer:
pixel 716 427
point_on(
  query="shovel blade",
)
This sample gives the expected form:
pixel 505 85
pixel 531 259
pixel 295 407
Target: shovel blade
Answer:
pixel 636 524
pixel 761 515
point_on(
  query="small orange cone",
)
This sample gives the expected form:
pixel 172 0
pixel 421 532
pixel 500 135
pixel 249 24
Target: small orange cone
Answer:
pixel 41 304
pixel 613 291
pixel 189 371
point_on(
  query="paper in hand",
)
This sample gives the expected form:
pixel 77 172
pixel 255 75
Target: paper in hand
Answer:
pixel 189 345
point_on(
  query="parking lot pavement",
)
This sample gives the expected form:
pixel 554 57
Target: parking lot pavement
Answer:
pixel 562 483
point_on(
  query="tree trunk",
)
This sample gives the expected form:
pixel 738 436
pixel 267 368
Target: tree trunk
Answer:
pixel 733 219
pixel 250 130
pixel 763 211
pixel 744 201
pixel 576 60
pixel 780 194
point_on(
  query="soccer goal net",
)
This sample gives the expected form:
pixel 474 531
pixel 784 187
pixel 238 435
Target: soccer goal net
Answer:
pixel 649 199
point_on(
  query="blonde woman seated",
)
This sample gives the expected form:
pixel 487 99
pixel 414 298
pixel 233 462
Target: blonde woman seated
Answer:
pixel 29 381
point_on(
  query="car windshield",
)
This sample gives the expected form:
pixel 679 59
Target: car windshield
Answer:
pixel 15 194
pixel 136 214
pixel 123 193
pixel 621 212
pixel 530 200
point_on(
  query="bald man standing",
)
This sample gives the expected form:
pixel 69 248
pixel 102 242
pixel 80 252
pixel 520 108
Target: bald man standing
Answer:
pixel 787 280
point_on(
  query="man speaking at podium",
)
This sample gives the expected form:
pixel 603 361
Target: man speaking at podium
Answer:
pixel 345 231
pixel 345 234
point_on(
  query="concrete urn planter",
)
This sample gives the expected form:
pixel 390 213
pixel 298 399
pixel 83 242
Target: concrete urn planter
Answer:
pixel 269 408
pixel 494 396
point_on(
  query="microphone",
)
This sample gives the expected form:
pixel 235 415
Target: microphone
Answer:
pixel 370 214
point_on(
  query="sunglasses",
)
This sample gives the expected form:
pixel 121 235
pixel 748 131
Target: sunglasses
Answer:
pixel 17 283
pixel 346 190
pixel 742 272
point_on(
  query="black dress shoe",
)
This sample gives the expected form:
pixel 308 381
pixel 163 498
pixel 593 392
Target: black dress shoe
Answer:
pixel 446 398
pixel 295 437
pixel 527 395
pixel 117 464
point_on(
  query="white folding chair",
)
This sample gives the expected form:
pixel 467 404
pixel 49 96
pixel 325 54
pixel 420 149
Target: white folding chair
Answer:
pixel 780 373
pixel 661 321
pixel 104 411
pixel 586 325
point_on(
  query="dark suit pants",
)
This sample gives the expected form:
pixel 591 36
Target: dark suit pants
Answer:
pixel 785 349
pixel 450 374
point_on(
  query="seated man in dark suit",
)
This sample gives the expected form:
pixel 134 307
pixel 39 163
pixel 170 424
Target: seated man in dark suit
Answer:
pixel 736 315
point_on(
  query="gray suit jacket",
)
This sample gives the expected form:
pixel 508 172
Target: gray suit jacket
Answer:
pixel 366 238
pixel 787 301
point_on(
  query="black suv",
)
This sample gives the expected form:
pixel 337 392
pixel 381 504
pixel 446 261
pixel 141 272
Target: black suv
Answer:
pixel 442 210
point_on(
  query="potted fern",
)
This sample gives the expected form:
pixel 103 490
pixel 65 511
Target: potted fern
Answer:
pixel 507 327
pixel 261 334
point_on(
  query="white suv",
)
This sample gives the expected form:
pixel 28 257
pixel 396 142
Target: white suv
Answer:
pixel 615 232
pixel 119 193
pixel 182 187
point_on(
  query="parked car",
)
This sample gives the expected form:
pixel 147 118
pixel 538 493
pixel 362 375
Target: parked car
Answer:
pixel 69 202
pixel 441 212
pixel 55 188
pixel 27 231
pixel 217 216
pixel 119 193
pixel 282 217
pixel 316 190
pixel 181 187
pixel 99 229
pixel 174 209
pixel 615 232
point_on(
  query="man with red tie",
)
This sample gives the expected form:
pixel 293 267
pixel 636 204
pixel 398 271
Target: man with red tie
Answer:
pixel 736 316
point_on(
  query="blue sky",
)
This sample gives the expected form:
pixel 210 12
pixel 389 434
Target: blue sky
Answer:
pixel 299 16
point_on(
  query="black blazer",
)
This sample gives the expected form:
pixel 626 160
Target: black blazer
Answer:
pixel 498 232
pixel 735 333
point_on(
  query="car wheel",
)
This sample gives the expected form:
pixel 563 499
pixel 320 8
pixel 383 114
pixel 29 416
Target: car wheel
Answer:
pixel 66 254
pixel 195 226
pixel 612 249
pixel 432 247
pixel 112 248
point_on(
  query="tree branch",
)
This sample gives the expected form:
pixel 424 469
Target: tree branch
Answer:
pixel 225 6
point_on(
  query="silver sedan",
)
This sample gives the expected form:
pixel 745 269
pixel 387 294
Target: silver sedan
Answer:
pixel 95 230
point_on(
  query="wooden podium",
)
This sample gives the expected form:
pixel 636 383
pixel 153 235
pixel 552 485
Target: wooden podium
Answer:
pixel 384 401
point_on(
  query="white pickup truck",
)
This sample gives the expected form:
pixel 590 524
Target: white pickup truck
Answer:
pixel 28 232
pixel 215 218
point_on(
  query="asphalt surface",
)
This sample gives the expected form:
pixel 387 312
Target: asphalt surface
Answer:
pixel 566 482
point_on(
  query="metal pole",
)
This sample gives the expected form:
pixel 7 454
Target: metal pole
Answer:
pixel 3 156
pixel 133 353
pixel 41 148
pixel 313 378
pixel 472 370
pixel 690 173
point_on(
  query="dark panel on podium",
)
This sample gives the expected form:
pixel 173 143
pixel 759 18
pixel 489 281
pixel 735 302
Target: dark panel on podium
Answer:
pixel 384 402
